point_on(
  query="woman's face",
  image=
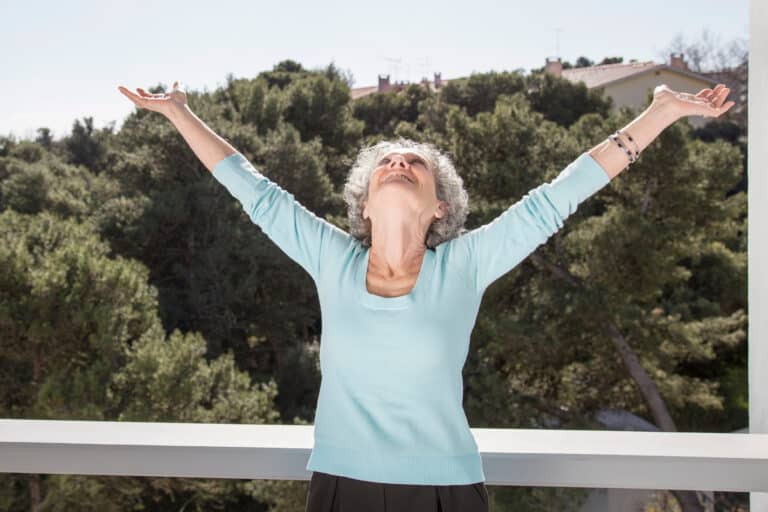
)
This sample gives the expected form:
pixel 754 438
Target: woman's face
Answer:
pixel 403 184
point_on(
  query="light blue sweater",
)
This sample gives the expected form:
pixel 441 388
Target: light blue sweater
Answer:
pixel 390 404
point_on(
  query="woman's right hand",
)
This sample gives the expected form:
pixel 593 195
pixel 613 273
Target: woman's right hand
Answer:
pixel 164 103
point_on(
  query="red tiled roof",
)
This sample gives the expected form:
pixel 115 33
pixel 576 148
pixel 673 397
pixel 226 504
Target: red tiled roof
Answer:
pixel 592 76
pixel 359 92
pixel 598 76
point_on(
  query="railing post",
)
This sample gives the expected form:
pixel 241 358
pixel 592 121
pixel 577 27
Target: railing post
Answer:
pixel 757 247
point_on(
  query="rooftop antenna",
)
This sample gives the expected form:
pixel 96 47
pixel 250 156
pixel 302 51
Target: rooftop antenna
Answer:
pixel 424 68
pixel 394 64
pixel 557 41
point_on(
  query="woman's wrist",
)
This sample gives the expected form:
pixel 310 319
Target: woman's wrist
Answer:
pixel 177 111
pixel 665 108
pixel 643 130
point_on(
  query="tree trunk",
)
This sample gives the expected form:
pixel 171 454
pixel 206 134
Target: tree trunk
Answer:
pixel 34 493
pixel 647 387
pixel 689 501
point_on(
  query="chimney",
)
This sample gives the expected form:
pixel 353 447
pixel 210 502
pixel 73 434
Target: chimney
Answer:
pixel 384 84
pixel 438 80
pixel 554 67
pixel 676 61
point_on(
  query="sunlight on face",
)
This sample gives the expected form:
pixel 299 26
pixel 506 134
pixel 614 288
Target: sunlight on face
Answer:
pixel 416 159
pixel 418 169
pixel 386 198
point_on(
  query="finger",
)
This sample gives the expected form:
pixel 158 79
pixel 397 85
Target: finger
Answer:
pixel 140 101
pixel 717 100
pixel 714 92
pixel 721 110
pixel 715 111
pixel 131 95
pixel 722 96
pixel 704 94
pixel 720 89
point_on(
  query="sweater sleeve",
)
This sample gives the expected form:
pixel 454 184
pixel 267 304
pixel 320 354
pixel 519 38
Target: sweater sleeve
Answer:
pixel 299 233
pixel 491 250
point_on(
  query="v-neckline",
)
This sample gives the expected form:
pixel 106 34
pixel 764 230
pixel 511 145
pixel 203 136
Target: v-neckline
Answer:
pixel 401 301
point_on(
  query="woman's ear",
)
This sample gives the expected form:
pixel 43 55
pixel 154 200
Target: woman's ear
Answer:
pixel 442 209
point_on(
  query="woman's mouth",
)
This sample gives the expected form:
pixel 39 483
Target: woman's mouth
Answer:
pixel 397 177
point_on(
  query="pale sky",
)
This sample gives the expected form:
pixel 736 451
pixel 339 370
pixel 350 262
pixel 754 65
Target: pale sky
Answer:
pixel 63 61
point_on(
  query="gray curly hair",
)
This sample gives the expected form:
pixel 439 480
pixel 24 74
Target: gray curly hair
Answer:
pixel 450 188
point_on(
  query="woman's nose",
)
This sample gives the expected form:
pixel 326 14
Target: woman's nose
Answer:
pixel 396 160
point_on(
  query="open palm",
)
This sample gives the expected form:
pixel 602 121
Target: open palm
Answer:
pixel 163 103
pixel 707 102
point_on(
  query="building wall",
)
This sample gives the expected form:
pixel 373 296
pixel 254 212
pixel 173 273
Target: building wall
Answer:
pixel 632 92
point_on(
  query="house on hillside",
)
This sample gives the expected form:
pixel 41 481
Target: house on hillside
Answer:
pixel 629 84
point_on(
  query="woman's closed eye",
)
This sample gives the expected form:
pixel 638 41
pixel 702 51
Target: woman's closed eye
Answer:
pixel 415 160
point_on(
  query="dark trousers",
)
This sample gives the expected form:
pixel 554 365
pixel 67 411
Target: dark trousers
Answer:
pixel 332 493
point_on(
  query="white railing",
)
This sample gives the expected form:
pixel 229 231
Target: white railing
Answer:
pixel 560 458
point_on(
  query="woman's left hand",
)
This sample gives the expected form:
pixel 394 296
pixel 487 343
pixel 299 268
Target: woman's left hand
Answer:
pixel 706 103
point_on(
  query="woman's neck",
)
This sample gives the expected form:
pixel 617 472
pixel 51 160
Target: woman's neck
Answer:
pixel 394 259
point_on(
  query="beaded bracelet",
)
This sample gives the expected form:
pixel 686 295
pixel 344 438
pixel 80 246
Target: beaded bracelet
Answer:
pixel 615 138
pixel 628 136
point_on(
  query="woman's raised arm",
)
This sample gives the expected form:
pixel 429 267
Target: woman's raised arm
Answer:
pixel 497 247
pixel 667 107
pixel 304 237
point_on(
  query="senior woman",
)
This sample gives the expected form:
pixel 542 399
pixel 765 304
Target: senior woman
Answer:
pixel 399 296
